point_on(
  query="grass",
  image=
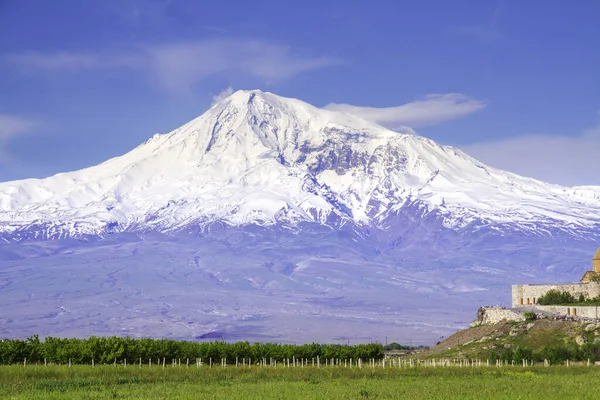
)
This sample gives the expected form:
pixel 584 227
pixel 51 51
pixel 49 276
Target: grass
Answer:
pixel 108 382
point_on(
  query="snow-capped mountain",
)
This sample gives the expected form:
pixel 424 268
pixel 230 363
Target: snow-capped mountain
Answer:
pixel 259 158
pixel 269 219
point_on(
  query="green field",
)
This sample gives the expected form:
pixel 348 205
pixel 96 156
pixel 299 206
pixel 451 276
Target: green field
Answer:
pixel 109 382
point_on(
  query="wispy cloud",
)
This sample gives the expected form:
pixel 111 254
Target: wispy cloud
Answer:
pixel 565 160
pixel 72 61
pixel 486 32
pixel 10 127
pixel 222 95
pixel 431 110
pixel 179 66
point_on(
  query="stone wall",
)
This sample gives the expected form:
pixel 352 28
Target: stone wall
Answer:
pixel 524 295
pixel 496 315
pixel 591 312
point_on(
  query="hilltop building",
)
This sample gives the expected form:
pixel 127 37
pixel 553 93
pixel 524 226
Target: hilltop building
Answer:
pixel 525 299
pixel 594 274
pixel 526 296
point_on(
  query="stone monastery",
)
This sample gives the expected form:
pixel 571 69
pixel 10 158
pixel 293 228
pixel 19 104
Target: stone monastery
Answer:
pixel 525 299
pixel 525 296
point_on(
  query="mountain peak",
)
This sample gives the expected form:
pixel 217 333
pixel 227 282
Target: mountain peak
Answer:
pixel 242 96
pixel 256 157
pixel 246 98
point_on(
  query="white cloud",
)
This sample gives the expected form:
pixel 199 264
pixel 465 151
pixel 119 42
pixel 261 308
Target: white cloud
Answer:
pixel 228 91
pixel 11 126
pixel 565 160
pixel 33 61
pixel 431 110
pixel 179 66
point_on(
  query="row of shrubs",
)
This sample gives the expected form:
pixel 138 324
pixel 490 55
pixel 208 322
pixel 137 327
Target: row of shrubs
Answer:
pixel 556 297
pixel 554 354
pixel 398 346
pixel 108 349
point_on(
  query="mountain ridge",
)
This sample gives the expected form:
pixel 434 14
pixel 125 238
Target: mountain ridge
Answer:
pixel 275 220
pixel 258 158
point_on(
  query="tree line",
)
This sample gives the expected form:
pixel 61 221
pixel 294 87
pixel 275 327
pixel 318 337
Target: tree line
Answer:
pixel 105 350
pixel 555 354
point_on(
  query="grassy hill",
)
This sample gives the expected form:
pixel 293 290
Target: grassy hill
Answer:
pixel 556 340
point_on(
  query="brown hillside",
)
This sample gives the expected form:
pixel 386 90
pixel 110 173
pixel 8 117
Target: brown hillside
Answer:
pixel 482 340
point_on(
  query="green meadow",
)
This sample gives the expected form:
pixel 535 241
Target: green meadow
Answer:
pixel 338 382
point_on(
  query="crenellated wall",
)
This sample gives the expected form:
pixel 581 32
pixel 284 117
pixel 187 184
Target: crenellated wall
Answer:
pixel 527 295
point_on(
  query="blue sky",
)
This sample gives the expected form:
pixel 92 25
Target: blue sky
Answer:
pixel 514 83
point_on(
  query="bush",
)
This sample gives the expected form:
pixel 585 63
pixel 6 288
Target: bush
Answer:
pixel 398 346
pixel 530 316
pixel 556 354
pixel 554 296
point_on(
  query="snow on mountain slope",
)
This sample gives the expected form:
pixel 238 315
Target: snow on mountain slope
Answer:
pixel 259 158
